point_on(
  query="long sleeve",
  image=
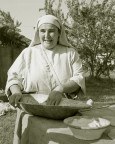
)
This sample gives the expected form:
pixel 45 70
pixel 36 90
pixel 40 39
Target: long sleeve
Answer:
pixel 77 70
pixel 16 73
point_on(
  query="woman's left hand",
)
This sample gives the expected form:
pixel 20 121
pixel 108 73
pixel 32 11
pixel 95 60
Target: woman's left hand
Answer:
pixel 54 98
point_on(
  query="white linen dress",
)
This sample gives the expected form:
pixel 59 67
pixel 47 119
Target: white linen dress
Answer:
pixel 39 70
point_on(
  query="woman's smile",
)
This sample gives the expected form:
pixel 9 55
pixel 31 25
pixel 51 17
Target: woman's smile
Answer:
pixel 48 41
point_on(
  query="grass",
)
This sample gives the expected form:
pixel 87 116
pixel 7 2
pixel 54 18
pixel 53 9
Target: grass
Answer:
pixel 98 90
pixel 7 123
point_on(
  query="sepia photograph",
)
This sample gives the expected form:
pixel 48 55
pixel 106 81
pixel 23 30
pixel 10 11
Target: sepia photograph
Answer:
pixel 57 71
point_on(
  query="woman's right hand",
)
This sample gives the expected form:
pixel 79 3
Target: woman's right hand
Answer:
pixel 54 98
pixel 14 99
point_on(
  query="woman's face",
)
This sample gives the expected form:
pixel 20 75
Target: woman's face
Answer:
pixel 48 34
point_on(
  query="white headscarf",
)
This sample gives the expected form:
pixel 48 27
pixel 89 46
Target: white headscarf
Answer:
pixel 51 20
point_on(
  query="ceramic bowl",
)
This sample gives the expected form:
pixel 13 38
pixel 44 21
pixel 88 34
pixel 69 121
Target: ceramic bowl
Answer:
pixel 87 127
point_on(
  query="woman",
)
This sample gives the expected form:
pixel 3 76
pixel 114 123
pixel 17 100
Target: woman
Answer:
pixel 48 66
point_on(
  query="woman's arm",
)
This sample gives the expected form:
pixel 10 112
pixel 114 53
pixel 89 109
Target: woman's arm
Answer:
pixel 15 75
pixel 69 87
pixel 15 89
pixel 15 78
pixel 76 83
pixel 77 70
pixel 15 96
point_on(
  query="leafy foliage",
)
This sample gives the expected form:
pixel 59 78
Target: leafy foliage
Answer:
pixel 93 32
pixel 49 8
pixel 11 44
pixel 9 31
